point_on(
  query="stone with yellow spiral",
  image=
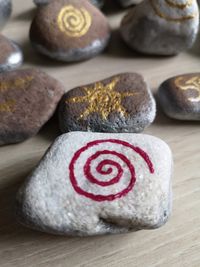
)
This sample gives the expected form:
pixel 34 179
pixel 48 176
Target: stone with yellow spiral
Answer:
pixel 74 31
pixel 74 22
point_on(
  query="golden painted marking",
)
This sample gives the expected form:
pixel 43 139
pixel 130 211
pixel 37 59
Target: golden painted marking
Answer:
pixel 102 99
pixel 191 84
pixel 19 83
pixel 74 22
pixel 163 16
pixel 8 106
pixel 175 4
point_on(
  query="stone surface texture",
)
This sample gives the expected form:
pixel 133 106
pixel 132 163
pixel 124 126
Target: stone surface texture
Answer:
pixel 69 30
pixel 180 97
pixel 121 103
pixel 161 27
pixel 28 99
pixel 94 184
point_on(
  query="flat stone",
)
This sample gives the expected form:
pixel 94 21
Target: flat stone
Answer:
pixel 161 27
pixel 127 3
pixel 121 103
pixel 54 33
pixel 180 97
pixel 28 98
pixel 95 183
pixel 5 11
pixel 11 56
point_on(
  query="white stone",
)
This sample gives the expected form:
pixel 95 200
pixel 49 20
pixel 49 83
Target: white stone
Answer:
pixel 49 200
pixel 161 27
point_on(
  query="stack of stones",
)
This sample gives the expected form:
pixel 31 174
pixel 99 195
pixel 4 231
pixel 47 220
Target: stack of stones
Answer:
pixel 102 175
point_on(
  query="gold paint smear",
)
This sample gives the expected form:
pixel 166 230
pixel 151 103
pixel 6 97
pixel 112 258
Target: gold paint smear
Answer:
pixel 19 83
pixel 163 16
pixel 102 99
pixel 74 22
pixel 173 3
pixel 7 106
pixel 191 84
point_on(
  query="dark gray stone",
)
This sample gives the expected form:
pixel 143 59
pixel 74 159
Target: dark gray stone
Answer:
pixel 180 97
pixel 154 27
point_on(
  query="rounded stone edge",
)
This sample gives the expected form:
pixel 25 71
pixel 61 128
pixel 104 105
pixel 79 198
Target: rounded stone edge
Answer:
pixel 75 55
pixel 16 57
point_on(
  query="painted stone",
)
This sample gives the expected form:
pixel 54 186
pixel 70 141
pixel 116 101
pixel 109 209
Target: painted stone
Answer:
pixel 11 56
pixel 28 98
pixel 127 3
pixel 75 30
pixel 5 11
pixel 95 183
pixel 122 103
pixel 97 3
pixel 180 97
pixel 161 27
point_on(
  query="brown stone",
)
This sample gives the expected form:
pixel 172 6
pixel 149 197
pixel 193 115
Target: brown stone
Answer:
pixel 180 97
pixel 28 98
pixel 122 103
pixel 69 30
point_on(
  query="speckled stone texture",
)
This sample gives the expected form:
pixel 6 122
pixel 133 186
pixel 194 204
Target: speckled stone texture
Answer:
pixel 69 30
pixel 127 3
pixel 28 99
pixel 11 56
pixel 180 97
pixel 161 27
pixel 94 184
pixel 121 103
pixel 5 12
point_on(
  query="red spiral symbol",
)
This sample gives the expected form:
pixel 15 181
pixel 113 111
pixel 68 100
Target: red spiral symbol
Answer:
pixel 105 167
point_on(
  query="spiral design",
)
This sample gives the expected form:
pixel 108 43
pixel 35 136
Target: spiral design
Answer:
pixel 108 174
pixel 74 22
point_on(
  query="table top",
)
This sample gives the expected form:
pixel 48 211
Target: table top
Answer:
pixel 177 244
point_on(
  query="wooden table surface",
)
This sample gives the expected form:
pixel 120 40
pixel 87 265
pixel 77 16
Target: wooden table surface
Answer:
pixel 177 244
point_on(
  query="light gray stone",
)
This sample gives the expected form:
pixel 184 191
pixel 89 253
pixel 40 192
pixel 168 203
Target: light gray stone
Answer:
pixel 94 183
pixel 161 27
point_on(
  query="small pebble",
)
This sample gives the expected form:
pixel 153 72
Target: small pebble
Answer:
pixel 161 27
pixel 122 103
pixel 28 98
pixel 11 56
pixel 5 11
pixel 94 184
pixel 75 30
pixel 180 97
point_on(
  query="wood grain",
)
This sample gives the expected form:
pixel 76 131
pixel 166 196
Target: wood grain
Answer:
pixel 177 244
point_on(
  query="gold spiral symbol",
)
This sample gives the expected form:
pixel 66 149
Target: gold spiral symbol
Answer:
pixel 74 22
